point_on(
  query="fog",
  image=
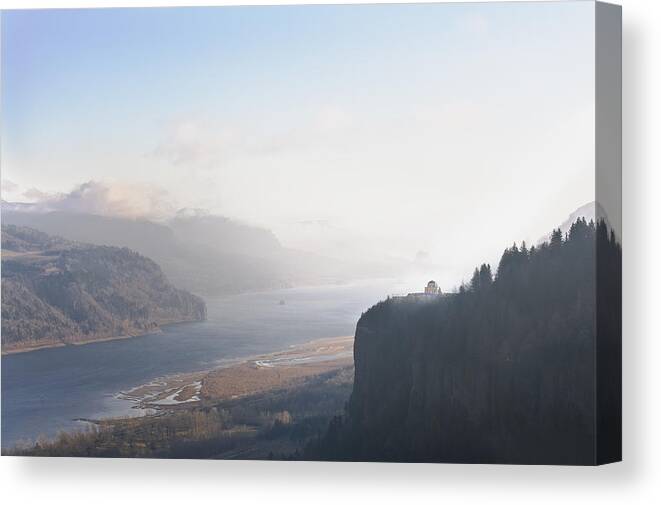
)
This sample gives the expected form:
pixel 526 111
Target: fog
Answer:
pixel 425 146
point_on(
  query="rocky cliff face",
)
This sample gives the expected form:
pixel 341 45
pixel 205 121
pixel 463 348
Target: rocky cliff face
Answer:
pixel 502 372
pixel 56 291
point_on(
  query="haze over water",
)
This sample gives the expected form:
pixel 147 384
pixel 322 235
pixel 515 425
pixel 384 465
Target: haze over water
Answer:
pixel 44 391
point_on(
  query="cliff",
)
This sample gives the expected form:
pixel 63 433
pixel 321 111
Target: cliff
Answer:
pixel 501 372
pixel 56 291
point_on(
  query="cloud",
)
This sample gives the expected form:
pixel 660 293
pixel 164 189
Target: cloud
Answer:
pixel 202 144
pixel 209 144
pixel 35 195
pixel 106 199
pixel 193 142
pixel 9 187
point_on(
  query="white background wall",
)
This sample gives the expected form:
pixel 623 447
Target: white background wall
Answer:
pixel 637 480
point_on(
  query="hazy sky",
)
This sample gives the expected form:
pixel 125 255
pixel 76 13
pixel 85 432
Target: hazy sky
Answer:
pixel 449 129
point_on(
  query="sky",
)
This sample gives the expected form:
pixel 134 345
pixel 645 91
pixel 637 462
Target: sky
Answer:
pixel 443 131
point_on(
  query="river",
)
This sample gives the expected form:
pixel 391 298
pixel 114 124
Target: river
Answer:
pixel 44 391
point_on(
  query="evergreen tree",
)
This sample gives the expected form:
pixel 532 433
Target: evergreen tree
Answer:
pixel 501 372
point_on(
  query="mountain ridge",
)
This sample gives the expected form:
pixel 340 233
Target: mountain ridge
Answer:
pixel 58 292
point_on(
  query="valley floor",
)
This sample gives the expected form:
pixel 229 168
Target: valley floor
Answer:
pixel 265 407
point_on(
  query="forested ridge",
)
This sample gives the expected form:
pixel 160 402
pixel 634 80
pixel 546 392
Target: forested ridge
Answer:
pixel 503 371
pixel 56 291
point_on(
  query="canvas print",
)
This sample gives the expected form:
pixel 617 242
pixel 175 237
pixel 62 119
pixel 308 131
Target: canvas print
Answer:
pixel 334 232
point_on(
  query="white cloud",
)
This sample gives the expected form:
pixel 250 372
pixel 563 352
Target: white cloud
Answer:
pixel 194 142
pixel 35 195
pixel 9 187
pixel 201 143
pixel 106 199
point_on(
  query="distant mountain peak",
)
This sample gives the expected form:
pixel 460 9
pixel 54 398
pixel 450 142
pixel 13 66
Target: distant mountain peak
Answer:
pixel 591 211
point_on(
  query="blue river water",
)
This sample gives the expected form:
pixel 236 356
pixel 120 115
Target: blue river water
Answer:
pixel 44 391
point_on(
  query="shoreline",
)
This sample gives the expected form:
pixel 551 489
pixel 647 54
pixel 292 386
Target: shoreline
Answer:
pixel 244 376
pixel 39 347
pixel 93 341
pixel 244 383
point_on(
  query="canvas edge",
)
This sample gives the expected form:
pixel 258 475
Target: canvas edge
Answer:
pixel 608 193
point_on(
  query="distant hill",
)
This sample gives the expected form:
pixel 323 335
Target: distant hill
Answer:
pixel 57 291
pixel 205 254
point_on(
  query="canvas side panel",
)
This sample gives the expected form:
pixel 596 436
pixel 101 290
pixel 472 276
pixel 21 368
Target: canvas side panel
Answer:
pixel 608 109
